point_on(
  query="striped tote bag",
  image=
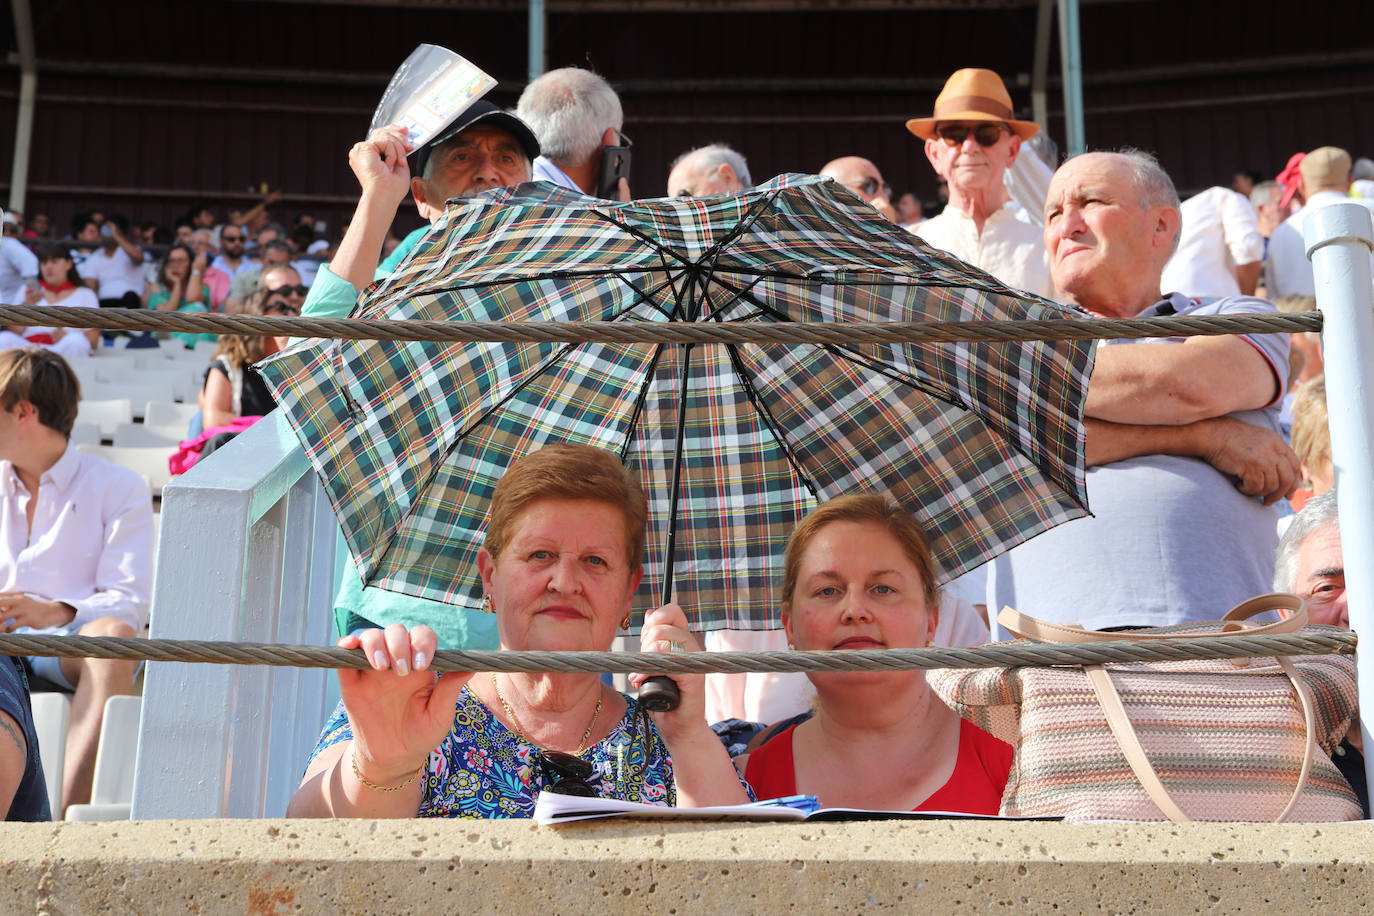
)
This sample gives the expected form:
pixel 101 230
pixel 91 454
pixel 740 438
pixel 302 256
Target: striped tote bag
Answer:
pixel 1201 740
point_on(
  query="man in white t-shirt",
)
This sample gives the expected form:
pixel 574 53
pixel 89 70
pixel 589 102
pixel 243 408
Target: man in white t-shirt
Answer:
pixel 115 270
pixel 1219 247
pixel 971 139
pixel 76 546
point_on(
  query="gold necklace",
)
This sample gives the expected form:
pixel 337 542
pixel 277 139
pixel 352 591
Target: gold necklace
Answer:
pixel 520 732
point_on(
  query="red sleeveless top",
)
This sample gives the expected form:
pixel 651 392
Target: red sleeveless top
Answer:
pixel 975 786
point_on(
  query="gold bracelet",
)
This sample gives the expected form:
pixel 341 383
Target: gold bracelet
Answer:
pixel 353 758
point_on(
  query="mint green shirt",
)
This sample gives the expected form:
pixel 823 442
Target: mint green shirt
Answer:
pixel 333 297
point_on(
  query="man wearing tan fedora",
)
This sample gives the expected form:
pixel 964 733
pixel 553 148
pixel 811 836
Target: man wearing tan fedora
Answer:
pixel 971 139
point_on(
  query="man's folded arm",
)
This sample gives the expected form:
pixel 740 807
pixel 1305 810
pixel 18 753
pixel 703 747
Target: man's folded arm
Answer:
pixel 1201 378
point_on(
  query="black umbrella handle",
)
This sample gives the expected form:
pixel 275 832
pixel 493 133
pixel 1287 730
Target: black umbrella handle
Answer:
pixel 660 694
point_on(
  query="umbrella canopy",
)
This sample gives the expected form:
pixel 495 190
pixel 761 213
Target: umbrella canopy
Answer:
pixel 983 442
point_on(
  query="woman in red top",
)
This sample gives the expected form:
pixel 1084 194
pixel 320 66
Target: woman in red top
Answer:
pixel 859 575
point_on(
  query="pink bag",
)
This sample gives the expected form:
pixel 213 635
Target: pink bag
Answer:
pixel 188 452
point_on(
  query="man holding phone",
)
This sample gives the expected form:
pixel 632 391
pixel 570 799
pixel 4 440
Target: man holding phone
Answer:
pixel 578 119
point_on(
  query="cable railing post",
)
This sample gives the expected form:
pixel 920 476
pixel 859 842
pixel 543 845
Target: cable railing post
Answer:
pixel 1338 239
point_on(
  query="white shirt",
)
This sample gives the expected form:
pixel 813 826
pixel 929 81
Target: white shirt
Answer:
pixel 220 264
pixel 16 264
pixel 1219 232
pixel 92 540
pixel 115 273
pixel 80 298
pixel 1010 248
pixel 1290 273
pixel 543 169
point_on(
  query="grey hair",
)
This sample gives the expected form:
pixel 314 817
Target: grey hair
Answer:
pixel 1259 195
pixel 1152 183
pixel 569 110
pixel 715 155
pixel 1318 515
pixel 1362 169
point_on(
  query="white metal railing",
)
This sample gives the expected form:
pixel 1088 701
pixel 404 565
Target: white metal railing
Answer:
pixel 248 544
pixel 246 552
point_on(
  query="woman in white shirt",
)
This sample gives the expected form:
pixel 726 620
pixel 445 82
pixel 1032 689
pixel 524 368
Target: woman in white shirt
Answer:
pixel 58 284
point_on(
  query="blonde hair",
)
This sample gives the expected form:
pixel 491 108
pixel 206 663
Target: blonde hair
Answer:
pixel 243 350
pixel 862 507
pixel 567 470
pixel 1311 436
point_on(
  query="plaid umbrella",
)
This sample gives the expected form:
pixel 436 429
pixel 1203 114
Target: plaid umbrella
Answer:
pixel 733 444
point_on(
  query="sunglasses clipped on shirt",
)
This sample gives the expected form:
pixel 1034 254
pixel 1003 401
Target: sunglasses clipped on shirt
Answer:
pixel 984 134
pixel 567 774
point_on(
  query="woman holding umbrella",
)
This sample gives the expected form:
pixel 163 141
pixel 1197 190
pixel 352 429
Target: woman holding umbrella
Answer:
pixel 560 566
pixel 858 575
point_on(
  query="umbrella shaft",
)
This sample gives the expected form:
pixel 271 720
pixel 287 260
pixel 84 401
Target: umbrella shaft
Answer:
pixel 671 547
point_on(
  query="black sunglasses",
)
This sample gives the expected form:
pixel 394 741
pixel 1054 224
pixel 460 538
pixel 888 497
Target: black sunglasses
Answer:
pixel 567 774
pixel 288 290
pixel 282 308
pixel 956 134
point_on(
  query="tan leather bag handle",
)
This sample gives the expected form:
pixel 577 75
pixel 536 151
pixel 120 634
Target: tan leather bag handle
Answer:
pixel 1120 723
pixel 1125 734
pixel 1232 621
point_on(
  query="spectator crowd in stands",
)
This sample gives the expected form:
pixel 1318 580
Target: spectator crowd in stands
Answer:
pixel 1196 447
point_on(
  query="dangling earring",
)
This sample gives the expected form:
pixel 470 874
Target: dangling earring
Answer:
pixel 791 648
pixel 625 624
pixel 487 606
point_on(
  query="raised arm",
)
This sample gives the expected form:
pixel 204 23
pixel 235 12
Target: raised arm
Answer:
pixel 379 162
pixel 702 771
pixel 398 713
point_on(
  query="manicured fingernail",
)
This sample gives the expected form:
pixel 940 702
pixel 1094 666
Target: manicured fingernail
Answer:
pixel 420 660
pixel 401 667
pixel 379 660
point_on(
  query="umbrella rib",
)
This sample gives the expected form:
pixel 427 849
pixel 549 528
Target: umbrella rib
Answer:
pixel 646 239
pixel 641 399
pixel 851 355
pixel 770 421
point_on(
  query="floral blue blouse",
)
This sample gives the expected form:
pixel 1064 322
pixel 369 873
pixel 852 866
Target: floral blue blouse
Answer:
pixel 482 770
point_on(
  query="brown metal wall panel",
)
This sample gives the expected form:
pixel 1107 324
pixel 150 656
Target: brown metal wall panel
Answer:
pixel 687 78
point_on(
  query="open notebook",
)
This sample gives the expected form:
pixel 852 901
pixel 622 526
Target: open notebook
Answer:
pixel 550 808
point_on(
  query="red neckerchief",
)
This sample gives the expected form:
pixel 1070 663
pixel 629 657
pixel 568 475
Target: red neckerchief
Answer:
pixel 66 285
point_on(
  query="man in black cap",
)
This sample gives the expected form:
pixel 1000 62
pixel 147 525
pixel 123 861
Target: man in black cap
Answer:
pixel 484 148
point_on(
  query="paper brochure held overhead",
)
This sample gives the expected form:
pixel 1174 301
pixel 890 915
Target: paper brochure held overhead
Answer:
pixel 428 91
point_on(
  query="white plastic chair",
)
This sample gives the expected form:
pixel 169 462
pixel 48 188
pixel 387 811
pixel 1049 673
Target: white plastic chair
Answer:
pixel 85 433
pixel 150 359
pixel 150 461
pixel 170 414
pixel 105 414
pixel 112 785
pixel 137 394
pixel 51 713
pixel 140 435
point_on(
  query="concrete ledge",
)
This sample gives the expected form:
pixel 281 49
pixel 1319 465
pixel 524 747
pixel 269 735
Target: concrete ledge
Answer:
pixel 278 866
